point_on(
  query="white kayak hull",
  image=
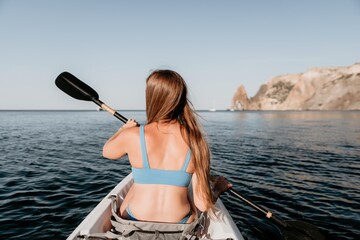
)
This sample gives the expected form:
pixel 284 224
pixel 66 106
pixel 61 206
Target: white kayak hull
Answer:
pixel 98 220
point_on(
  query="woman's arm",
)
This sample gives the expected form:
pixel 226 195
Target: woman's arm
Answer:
pixel 198 198
pixel 218 185
pixel 115 147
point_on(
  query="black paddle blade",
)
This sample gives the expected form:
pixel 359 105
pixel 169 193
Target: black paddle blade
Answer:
pixel 74 87
pixel 290 229
pixel 299 230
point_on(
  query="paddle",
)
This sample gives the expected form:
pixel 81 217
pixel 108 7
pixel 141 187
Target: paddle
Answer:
pixel 290 229
pixel 74 87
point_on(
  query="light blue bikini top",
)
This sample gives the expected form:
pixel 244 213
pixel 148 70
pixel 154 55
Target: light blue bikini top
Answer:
pixel 147 175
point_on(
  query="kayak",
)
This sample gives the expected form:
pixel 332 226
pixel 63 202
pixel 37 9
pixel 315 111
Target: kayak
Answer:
pixel 98 220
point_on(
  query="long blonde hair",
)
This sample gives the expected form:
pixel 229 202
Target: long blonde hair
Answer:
pixel 166 101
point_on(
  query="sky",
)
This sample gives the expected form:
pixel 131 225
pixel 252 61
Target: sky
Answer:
pixel 215 45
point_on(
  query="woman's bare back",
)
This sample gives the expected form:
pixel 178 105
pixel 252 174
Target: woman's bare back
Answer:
pixel 166 150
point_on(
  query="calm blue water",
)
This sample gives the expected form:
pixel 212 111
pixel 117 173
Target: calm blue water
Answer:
pixel 301 165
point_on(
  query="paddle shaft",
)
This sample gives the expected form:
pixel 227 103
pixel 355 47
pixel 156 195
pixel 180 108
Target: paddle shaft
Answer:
pixel 268 214
pixel 290 230
pixel 110 110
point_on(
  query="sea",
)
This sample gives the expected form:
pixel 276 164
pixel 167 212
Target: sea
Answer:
pixel 301 165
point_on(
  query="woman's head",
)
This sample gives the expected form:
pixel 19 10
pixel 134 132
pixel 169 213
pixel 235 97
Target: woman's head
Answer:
pixel 166 96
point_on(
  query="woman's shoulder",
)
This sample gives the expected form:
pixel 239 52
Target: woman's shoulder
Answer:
pixel 130 137
pixel 130 134
pixel 134 131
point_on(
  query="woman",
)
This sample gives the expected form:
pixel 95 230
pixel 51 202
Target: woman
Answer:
pixel 166 155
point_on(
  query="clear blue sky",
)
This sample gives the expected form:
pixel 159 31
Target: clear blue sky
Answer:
pixel 215 45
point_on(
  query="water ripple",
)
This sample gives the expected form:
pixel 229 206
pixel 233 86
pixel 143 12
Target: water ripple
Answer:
pixel 300 165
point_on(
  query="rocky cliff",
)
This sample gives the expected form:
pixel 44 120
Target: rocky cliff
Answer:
pixel 335 88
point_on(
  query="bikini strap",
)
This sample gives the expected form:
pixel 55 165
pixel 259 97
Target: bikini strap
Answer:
pixel 143 147
pixel 187 160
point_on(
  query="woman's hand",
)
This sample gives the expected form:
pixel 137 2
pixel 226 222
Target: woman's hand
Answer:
pixel 219 185
pixel 129 124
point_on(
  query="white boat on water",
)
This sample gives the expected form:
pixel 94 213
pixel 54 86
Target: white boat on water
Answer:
pixel 212 109
pixel 98 220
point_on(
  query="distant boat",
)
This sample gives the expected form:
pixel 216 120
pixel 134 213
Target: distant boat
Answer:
pixel 213 109
pixel 99 109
